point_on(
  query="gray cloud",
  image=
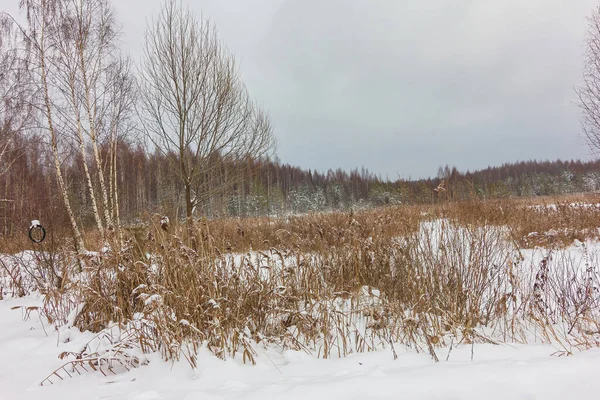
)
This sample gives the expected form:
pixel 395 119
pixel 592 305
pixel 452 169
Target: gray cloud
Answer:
pixel 418 84
pixel 402 87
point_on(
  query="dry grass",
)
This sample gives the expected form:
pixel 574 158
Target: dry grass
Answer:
pixel 334 284
pixel 547 224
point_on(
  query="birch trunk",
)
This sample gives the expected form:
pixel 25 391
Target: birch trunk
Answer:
pixel 79 246
pixel 115 191
pixel 91 115
pixel 88 178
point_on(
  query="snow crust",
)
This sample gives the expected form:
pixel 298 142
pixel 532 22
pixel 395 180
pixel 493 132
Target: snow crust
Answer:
pixel 496 372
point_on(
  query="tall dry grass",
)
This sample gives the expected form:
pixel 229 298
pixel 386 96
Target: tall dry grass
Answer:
pixel 335 284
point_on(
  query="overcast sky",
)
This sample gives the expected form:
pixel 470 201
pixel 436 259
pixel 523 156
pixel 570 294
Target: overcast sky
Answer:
pixel 402 87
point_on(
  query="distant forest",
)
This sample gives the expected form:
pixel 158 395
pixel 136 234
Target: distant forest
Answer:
pixel 147 185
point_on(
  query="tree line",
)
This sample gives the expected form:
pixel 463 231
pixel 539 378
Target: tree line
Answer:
pixel 148 185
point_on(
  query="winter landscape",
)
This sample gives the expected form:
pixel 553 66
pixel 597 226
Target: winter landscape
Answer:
pixel 154 245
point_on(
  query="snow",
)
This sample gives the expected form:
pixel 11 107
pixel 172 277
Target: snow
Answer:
pixel 496 372
pixel 30 347
pixel 153 299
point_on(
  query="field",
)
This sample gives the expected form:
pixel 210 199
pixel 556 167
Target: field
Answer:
pixel 495 299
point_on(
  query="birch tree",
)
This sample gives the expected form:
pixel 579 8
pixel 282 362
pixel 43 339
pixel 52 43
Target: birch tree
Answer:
pixel 100 84
pixel 74 63
pixel 38 49
pixel 15 91
pixel 194 106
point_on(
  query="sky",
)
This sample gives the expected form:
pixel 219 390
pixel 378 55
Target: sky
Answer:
pixel 403 87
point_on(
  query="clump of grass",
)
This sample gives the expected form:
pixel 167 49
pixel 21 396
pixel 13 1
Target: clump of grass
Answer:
pixel 334 284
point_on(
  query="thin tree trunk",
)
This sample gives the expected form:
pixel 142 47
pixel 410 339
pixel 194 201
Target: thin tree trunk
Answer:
pixel 111 186
pixel 114 188
pixel 88 178
pixel 79 246
pixel 188 206
pixel 94 138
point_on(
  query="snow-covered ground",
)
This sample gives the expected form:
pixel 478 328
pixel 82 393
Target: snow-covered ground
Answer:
pixel 30 351
pixel 30 348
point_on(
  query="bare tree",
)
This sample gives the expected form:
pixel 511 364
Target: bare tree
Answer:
pixel 42 24
pixel 195 108
pixel 589 91
pixel 100 88
pixel 15 91
pixel 75 64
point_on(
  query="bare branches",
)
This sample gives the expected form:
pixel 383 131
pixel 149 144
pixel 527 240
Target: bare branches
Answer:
pixel 589 92
pixel 194 104
pixel 85 89
pixel 16 92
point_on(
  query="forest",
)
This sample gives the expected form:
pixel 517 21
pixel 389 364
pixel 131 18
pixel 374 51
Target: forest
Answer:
pixel 147 185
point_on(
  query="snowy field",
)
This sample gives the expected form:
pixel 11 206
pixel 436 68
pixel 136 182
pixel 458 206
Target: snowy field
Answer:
pixel 496 372
pixel 30 347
